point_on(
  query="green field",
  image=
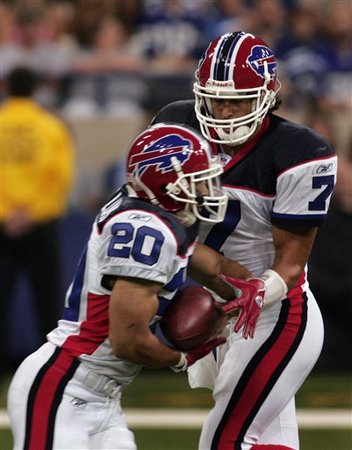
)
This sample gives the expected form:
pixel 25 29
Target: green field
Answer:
pixel 166 439
pixel 163 389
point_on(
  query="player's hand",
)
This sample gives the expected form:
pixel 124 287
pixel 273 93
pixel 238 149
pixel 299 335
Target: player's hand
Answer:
pixel 189 358
pixel 202 350
pixel 250 303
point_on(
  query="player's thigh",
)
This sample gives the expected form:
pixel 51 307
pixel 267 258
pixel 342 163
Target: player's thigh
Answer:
pixel 277 416
pixel 19 391
pixel 233 360
pixel 100 420
pixel 283 429
pixel 237 353
pixel 113 438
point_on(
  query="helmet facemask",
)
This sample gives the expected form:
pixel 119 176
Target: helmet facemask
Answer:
pixel 235 66
pixel 234 131
pixel 208 208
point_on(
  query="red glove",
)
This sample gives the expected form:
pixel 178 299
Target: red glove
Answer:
pixel 189 358
pixel 250 302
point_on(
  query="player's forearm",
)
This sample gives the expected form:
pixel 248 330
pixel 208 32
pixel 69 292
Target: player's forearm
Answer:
pixel 146 350
pixel 292 250
pixel 234 269
pixel 206 264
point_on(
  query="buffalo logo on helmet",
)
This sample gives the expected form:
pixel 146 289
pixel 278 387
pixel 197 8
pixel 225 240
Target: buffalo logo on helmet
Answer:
pixel 174 145
pixel 259 55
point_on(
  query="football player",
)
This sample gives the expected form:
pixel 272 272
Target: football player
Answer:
pixel 279 177
pixel 67 393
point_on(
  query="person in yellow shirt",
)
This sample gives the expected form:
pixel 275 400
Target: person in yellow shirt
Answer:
pixel 37 169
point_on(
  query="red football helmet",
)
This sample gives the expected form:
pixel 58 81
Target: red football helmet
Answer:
pixel 164 165
pixel 236 66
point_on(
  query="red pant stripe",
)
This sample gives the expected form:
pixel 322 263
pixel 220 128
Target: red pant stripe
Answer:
pixel 261 375
pixel 44 399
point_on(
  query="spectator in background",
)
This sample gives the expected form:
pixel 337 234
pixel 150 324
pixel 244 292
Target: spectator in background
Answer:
pixel 336 49
pixel 58 26
pixel 110 50
pixel 267 18
pixel 303 67
pixel 106 77
pixel 169 35
pixel 37 171
pixel 128 13
pixel 28 46
pixel 301 31
pixel 225 16
pixel 6 22
pixel 88 16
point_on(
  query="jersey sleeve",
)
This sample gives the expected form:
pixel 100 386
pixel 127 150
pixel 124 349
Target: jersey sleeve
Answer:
pixel 304 191
pixel 139 245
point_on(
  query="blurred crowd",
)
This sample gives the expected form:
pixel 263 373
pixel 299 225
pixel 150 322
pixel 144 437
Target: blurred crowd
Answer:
pixel 123 58
pixel 126 57
pixel 116 56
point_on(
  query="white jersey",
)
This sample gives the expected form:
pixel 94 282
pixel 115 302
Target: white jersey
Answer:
pixel 67 393
pixel 129 238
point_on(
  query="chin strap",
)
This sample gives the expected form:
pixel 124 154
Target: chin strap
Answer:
pixel 187 218
pixel 131 191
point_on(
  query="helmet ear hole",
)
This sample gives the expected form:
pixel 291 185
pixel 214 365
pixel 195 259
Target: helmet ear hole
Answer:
pixel 172 188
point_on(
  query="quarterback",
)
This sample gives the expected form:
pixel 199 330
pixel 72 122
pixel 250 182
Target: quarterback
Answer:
pixel 279 177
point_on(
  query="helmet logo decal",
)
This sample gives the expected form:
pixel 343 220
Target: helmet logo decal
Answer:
pixel 259 55
pixel 173 145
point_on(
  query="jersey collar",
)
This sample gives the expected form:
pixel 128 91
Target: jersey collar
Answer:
pixel 247 147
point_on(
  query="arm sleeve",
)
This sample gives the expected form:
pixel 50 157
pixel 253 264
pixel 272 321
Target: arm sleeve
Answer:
pixel 133 248
pixel 304 192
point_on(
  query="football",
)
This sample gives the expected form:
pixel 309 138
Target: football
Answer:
pixel 191 319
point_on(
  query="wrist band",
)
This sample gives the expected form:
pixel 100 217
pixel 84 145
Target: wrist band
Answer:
pixel 275 286
pixel 181 365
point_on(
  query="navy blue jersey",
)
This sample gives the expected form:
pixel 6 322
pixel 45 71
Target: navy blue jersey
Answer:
pixel 283 177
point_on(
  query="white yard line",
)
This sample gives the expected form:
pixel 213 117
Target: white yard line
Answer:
pixel 194 418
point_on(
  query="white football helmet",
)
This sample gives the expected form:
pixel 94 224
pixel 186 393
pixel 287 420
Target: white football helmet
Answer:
pixel 236 66
pixel 164 165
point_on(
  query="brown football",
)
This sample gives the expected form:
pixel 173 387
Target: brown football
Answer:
pixel 191 319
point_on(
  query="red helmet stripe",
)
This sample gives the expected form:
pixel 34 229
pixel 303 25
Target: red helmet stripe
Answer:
pixel 206 62
pixel 232 64
pixel 229 46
